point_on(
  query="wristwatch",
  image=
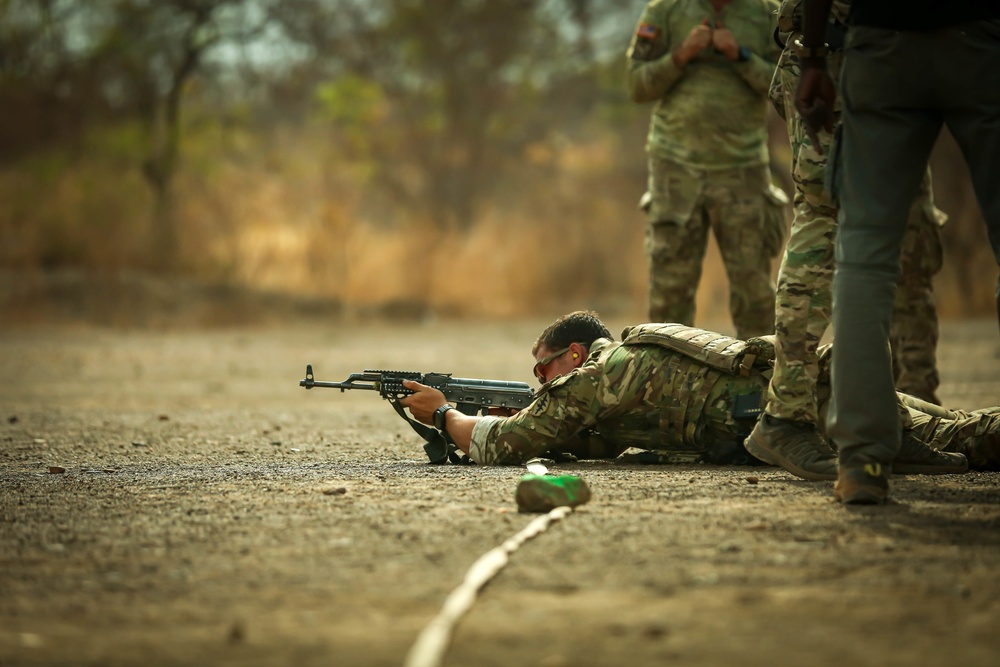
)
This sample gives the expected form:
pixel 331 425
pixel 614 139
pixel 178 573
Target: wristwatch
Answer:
pixel 804 51
pixel 439 416
pixel 744 54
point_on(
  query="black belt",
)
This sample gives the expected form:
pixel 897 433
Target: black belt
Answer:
pixel 834 35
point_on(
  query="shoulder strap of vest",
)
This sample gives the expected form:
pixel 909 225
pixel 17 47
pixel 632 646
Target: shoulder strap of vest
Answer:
pixel 723 353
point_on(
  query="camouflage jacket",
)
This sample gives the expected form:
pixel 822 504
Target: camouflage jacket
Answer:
pixel 700 399
pixel 711 114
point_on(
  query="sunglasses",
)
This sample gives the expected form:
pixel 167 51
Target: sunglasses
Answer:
pixel 539 369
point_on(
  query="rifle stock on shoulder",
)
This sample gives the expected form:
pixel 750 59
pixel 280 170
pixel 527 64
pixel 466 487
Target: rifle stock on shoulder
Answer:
pixel 470 396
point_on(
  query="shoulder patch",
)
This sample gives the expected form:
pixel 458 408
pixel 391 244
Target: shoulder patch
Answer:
pixel 539 405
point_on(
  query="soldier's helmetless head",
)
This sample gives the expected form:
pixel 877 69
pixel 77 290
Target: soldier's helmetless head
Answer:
pixel 581 326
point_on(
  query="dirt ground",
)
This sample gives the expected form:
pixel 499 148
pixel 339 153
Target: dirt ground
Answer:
pixel 212 512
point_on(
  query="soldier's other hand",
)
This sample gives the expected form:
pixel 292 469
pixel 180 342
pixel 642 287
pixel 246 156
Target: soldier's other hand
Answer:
pixel 725 43
pixel 423 401
pixel 814 99
pixel 697 40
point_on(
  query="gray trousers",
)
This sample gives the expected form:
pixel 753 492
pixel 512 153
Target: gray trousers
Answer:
pixel 898 89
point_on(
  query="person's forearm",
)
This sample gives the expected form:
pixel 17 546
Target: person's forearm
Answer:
pixel 815 14
pixel 459 427
pixel 648 81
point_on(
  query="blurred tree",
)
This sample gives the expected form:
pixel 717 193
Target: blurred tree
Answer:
pixel 442 95
pixel 41 79
pixel 438 98
pixel 427 113
pixel 69 66
pixel 148 54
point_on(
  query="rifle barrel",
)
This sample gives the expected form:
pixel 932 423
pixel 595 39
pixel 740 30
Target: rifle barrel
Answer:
pixel 369 381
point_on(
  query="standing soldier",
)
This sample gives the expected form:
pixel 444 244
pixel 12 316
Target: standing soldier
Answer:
pixel 787 433
pixel 707 64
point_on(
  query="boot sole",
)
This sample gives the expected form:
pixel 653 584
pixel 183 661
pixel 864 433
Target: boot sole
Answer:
pixel 775 459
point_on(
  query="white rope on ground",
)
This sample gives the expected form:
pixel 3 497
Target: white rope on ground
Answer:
pixel 430 647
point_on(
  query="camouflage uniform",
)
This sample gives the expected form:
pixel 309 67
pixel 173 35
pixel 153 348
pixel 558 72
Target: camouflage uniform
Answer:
pixel 707 147
pixel 688 395
pixel 635 394
pixel 975 434
pixel 803 307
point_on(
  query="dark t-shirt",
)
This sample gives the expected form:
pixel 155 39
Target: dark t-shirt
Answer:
pixel 921 14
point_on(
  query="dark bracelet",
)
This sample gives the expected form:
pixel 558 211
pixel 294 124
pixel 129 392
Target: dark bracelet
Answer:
pixel 439 417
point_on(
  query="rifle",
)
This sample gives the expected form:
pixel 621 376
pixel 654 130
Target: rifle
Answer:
pixel 469 396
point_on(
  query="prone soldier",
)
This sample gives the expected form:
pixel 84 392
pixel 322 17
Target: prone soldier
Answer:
pixel 681 394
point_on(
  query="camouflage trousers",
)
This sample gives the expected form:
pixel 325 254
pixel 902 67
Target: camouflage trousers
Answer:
pixel 975 434
pixel 804 295
pixel 747 219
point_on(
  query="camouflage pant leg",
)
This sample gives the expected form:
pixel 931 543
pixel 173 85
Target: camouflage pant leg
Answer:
pixel 803 310
pixel 914 328
pixel 976 434
pixel 803 303
pixel 676 240
pixel 741 218
pixel 933 409
pixel 737 205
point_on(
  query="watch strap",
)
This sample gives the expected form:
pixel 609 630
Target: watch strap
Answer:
pixel 439 417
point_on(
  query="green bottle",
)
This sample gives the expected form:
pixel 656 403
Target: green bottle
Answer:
pixel 542 493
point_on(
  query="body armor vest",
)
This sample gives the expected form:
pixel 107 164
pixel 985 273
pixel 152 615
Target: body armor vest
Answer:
pixel 729 355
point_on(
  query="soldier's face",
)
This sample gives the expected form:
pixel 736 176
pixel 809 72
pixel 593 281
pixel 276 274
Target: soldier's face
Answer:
pixel 550 364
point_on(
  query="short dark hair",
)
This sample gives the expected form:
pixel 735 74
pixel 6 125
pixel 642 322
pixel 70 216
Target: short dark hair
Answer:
pixel 581 326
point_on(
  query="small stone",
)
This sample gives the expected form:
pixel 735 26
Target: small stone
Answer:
pixel 138 443
pixel 752 480
pixel 164 418
pixel 237 633
pixel 57 470
pixel 536 468
pixel 339 491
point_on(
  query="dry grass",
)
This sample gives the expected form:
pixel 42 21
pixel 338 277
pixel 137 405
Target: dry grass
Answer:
pixel 288 215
